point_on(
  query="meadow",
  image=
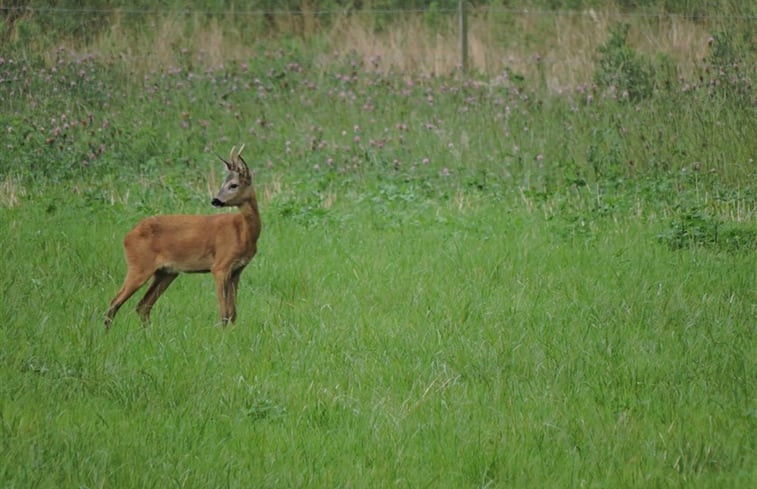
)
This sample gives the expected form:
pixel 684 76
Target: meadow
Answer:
pixel 504 279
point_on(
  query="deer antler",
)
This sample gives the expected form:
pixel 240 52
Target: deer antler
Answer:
pixel 239 164
pixel 233 158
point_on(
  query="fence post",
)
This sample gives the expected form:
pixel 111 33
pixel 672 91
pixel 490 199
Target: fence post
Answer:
pixel 463 37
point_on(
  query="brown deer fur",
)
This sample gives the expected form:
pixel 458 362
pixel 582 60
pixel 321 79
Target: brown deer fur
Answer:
pixel 161 247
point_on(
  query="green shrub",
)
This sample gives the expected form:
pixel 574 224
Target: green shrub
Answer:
pixel 696 227
pixel 621 71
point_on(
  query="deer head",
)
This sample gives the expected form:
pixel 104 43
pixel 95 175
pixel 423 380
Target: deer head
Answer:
pixel 237 183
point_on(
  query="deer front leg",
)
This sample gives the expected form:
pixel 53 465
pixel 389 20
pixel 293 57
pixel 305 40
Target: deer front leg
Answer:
pixel 231 294
pixel 221 277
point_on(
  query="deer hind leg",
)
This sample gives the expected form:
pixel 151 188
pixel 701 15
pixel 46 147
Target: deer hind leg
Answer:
pixel 134 280
pixel 160 282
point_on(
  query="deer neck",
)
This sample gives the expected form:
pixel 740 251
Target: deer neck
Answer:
pixel 249 209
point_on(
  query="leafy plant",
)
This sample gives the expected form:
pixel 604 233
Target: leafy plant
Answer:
pixel 696 227
pixel 621 71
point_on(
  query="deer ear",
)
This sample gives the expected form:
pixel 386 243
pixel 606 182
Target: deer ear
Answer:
pixel 228 165
pixel 242 163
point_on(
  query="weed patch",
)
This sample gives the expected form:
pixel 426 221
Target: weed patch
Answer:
pixel 697 228
pixel 622 72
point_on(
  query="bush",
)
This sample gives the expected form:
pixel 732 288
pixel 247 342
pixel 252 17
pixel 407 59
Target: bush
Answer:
pixel 621 71
pixel 698 228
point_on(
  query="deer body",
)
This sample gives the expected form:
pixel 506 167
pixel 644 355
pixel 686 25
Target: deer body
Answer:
pixel 161 247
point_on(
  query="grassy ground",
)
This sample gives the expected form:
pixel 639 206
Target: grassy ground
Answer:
pixel 419 344
pixel 460 283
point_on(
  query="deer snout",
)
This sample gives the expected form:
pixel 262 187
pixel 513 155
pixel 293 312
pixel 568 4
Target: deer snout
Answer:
pixel 217 202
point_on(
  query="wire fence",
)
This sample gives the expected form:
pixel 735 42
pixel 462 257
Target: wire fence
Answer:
pixel 484 10
pixel 473 49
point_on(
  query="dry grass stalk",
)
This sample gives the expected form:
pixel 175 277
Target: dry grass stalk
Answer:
pixel 558 49
pixel 11 193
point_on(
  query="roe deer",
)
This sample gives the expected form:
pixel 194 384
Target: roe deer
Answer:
pixel 223 244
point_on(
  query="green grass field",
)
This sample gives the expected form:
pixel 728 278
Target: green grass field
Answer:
pixel 460 283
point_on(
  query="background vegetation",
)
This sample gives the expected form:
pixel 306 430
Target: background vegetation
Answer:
pixel 540 273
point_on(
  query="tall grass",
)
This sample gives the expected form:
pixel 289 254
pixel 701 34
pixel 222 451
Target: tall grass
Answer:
pixel 501 38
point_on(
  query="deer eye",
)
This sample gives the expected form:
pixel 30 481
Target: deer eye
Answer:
pixel 233 186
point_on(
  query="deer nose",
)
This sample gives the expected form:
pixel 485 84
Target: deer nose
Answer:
pixel 217 202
